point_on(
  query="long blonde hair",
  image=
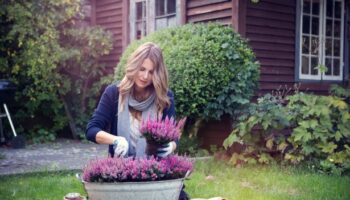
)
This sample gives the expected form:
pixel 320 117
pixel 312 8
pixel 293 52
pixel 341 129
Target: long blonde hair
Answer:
pixel 159 79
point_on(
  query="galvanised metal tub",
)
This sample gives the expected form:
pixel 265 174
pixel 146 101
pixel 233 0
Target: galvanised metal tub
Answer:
pixel 152 190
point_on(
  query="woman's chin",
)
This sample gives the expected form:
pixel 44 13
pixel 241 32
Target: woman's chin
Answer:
pixel 141 86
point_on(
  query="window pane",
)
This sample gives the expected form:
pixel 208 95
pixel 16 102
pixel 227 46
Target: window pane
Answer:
pixel 329 66
pixel 306 44
pixel 337 9
pixel 314 63
pixel 138 30
pixel 171 6
pixel 329 27
pixel 139 10
pixel 328 47
pixel 172 21
pixel 315 8
pixel 336 28
pixel 336 47
pixel 160 7
pixel 306 24
pixel 305 65
pixel 329 8
pixel 306 6
pixel 315 25
pixel 314 45
pixel 336 67
pixel 161 23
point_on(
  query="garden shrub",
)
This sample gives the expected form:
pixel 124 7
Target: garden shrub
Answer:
pixel 340 92
pixel 211 68
pixel 310 128
pixel 52 57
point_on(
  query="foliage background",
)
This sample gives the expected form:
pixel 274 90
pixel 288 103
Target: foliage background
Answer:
pixel 300 128
pixel 50 52
pixel 212 69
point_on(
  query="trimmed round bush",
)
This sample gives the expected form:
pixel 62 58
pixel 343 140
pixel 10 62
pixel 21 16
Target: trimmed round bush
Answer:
pixel 212 70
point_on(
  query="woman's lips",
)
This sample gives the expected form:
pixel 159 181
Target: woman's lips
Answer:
pixel 143 82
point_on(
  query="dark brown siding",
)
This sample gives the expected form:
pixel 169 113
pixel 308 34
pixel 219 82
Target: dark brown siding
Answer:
pixel 214 132
pixel 270 29
pixel 109 15
pixel 209 10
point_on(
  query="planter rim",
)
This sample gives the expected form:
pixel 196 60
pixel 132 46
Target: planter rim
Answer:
pixel 133 182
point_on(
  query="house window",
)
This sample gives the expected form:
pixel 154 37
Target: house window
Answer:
pixel 147 16
pixel 140 21
pixel 321 40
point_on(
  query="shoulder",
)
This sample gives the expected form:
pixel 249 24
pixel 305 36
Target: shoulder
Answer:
pixel 112 89
pixel 170 94
pixel 111 93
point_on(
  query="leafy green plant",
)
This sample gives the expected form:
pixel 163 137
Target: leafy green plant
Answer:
pixel 212 69
pixel 42 136
pixel 340 92
pixel 52 57
pixel 308 128
pixel 322 125
pixel 188 145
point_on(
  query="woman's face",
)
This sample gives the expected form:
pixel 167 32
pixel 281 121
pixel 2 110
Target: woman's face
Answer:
pixel 144 75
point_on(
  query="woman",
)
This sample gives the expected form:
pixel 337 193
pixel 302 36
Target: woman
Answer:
pixel 142 93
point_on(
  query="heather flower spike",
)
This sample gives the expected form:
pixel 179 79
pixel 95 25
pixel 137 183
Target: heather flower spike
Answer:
pixel 162 131
pixel 136 170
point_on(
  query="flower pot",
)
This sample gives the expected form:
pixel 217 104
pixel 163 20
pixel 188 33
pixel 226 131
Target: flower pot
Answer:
pixel 151 148
pixel 151 190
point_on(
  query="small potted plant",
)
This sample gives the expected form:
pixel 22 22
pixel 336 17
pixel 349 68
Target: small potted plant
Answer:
pixel 158 132
pixel 136 178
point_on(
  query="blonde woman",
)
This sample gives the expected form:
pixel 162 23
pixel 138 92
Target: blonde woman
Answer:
pixel 142 93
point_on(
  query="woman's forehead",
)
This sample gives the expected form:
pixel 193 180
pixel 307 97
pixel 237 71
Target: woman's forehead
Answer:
pixel 148 64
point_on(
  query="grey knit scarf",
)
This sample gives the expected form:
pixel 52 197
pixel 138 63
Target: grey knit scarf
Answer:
pixel 148 109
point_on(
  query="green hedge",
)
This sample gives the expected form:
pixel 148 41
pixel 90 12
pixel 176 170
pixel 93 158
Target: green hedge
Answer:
pixel 212 69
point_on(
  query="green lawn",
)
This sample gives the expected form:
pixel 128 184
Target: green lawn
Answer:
pixel 266 183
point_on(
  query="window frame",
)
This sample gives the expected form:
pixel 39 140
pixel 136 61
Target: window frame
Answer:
pixel 344 49
pixel 150 16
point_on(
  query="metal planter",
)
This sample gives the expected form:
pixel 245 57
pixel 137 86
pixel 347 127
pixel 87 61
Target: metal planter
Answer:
pixel 152 190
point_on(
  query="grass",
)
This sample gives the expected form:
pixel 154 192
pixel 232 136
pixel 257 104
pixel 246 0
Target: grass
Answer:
pixel 254 182
pixel 265 182
pixel 39 186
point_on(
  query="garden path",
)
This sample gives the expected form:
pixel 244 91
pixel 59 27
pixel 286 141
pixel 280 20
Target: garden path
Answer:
pixel 60 155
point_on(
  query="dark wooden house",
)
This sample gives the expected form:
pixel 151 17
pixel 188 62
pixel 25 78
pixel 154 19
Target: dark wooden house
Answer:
pixel 289 37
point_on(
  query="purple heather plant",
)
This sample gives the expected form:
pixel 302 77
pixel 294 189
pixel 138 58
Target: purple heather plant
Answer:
pixel 136 169
pixel 162 131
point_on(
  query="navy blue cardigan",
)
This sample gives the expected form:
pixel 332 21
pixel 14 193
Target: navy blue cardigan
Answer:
pixel 105 115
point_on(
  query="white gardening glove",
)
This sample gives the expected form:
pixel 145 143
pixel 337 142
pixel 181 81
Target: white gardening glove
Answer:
pixel 120 146
pixel 166 149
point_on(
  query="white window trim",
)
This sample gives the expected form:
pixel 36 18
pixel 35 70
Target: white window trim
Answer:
pixel 150 16
pixel 321 52
pixel 341 59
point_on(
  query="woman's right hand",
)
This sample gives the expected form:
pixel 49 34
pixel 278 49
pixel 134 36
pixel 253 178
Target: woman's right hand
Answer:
pixel 120 146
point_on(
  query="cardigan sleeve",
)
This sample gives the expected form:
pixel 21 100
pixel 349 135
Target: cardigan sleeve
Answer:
pixel 103 115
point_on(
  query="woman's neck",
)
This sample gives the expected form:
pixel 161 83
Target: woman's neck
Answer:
pixel 141 94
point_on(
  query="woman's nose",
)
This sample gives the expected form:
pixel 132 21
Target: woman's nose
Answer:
pixel 145 75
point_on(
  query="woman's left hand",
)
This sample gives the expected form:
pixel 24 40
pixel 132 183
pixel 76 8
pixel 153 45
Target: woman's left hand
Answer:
pixel 166 149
